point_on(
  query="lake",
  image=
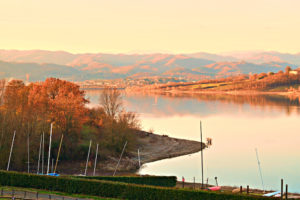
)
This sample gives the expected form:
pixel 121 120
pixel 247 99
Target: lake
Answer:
pixel 237 125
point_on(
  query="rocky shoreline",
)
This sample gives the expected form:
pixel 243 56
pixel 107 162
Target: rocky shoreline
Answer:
pixel 153 147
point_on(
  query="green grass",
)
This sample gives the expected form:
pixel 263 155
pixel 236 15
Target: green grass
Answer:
pixel 54 193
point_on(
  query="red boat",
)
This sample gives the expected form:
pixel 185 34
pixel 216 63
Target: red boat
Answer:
pixel 216 188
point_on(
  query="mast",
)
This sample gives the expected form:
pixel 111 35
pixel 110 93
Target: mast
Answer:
pixel 52 165
pixel 38 168
pixel 43 152
pixel 120 159
pixel 11 148
pixel 201 155
pixel 95 165
pixel 139 158
pixel 87 160
pixel 259 167
pixel 62 137
pixel 49 152
pixel 28 155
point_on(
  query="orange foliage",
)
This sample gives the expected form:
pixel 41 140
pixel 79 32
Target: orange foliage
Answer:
pixel 54 100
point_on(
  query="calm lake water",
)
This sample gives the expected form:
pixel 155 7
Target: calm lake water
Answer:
pixel 237 125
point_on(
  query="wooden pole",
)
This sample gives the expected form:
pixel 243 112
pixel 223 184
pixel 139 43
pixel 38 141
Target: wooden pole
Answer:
pixel 247 189
pixel 241 189
pixel 49 152
pixel 207 182
pixel 11 148
pixel 62 137
pixel 281 196
pixel 286 191
pixel 87 160
pixel 216 178
pixel 202 185
pixel 120 159
pixel 40 150
pixel 194 183
pixel 95 164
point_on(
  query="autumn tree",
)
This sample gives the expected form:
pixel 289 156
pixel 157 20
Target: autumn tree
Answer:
pixel 2 89
pixel 66 104
pixel 30 109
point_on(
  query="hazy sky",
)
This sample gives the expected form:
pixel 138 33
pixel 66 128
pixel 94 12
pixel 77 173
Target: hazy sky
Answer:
pixel 126 26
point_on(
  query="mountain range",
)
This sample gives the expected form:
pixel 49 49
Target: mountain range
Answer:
pixel 36 65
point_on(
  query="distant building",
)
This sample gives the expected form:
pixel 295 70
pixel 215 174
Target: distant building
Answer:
pixel 296 72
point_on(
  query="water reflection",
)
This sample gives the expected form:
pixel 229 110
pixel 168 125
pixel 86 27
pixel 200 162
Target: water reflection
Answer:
pixel 181 104
pixel 237 124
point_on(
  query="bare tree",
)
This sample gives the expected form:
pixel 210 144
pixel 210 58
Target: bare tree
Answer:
pixel 111 101
pixel 130 119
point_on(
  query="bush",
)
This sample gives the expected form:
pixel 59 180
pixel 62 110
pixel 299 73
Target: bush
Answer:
pixel 163 181
pixel 110 189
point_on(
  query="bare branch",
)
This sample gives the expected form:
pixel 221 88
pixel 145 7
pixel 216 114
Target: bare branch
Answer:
pixel 111 101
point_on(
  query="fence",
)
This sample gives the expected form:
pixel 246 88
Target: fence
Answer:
pixel 30 195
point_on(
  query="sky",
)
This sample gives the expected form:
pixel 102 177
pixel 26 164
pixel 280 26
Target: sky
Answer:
pixel 146 26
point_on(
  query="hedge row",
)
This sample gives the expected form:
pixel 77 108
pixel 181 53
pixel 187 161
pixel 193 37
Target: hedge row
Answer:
pixel 110 189
pixel 163 181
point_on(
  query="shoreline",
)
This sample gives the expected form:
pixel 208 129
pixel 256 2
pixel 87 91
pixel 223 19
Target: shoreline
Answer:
pixel 234 189
pixel 229 92
pixel 152 147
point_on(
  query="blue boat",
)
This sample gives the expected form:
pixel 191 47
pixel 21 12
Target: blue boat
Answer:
pixel 53 174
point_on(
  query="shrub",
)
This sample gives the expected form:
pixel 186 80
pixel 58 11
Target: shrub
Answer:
pixel 163 181
pixel 111 189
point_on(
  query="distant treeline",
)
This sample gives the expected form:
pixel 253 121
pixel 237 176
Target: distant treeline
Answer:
pixel 30 109
pixel 280 81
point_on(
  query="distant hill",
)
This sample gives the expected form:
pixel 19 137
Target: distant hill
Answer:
pixel 37 72
pixel 38 65
pixel 266 57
